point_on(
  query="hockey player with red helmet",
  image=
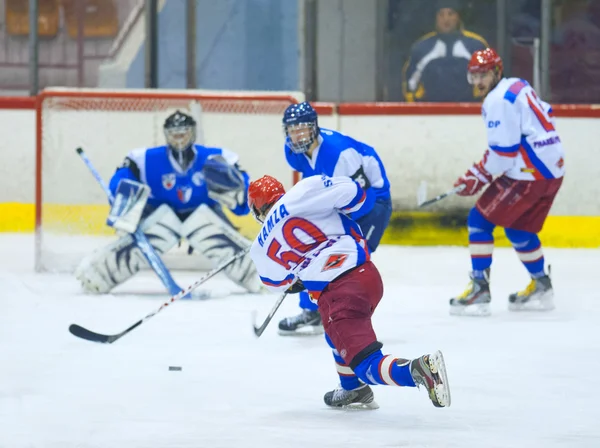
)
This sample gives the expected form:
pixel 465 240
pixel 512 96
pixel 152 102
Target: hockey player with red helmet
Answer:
pixel 309 241
pixel 523 169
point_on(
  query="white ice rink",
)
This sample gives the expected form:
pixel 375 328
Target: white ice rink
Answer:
pixel 517 380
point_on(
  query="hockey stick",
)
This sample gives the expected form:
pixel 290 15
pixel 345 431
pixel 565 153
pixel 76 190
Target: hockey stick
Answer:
pixel 440 197
pixel 259 330
pixel 141 241
pixel 84 333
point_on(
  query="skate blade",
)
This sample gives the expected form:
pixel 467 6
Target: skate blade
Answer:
pixel 531 306
pixel 442 389
pixel 542 303
pixel 309 330
pixel 475 310
pixel 357 407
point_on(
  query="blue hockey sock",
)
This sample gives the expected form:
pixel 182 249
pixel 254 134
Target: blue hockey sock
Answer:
pixel 481 242
pixel 348 379
pixel 305 302
pixel 529 250
pixel 385 369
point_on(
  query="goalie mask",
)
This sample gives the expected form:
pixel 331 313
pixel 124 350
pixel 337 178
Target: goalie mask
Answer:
pixel 180 133
pixel 262 194
pixel 300 124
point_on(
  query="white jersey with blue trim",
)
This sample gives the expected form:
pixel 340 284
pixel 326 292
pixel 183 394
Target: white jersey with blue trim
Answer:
pixel 307 235
pixel 340 155
pixel 522 138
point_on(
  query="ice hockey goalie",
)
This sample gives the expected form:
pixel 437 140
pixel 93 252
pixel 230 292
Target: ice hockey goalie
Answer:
pixel 173 192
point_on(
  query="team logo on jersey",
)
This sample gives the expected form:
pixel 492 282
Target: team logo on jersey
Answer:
pixel 334 261
pixel 168 181
pixel 198 178
pixel 361 178
pixel 184 194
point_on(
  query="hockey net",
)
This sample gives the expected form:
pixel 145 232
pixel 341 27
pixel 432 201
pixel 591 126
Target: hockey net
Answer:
pixel 71 207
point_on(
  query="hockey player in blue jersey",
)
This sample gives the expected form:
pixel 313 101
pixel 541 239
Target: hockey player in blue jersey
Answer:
pixel 312 150
pixel 187 186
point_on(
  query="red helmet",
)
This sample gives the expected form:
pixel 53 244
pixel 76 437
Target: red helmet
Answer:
pixel 262 194
pixel 484 61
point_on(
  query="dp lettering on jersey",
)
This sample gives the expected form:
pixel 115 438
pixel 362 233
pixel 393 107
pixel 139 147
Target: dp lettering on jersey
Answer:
pixel 493 124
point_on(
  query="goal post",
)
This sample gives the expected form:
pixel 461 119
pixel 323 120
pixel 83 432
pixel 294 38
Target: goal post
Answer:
pixel 71 209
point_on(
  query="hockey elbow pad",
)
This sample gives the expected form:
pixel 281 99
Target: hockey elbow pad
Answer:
pixel 367 205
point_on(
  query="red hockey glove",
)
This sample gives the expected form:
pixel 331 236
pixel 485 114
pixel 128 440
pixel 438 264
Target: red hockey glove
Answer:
pixel 473 180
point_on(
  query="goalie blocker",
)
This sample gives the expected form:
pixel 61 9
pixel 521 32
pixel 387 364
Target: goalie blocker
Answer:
pixel 207 230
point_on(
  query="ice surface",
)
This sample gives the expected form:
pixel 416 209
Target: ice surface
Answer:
pixel 518 380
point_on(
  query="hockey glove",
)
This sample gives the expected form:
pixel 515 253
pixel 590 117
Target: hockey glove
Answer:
pixel 225 182
pixel 297 287
pixel 473 180
pixel 128 205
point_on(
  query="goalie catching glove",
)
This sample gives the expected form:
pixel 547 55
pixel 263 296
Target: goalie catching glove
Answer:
pixel 473 180
pixel 226 183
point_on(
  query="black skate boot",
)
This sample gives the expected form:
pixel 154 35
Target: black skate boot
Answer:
pixel 304 324
pixel 359 398
pixel 538 296
pixel 475 300
pixel 430 371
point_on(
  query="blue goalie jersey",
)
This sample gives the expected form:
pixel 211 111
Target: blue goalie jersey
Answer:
pixel 182 190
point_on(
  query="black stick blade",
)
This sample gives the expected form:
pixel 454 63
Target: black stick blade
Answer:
pixel 88 335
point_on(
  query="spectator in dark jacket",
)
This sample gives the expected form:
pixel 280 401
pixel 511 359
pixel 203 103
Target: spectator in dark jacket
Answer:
pixel 435 70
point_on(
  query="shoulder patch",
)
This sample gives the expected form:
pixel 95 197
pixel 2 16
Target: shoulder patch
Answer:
pixel 514 90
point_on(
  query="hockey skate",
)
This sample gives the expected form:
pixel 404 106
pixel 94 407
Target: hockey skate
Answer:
pixel 475 300
pixel 538 296
pixel 307 323
pixel 360 398
pixel 430 371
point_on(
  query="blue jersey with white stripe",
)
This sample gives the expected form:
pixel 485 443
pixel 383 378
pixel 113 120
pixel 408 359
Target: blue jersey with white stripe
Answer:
pixel 340 155
pixel 182 190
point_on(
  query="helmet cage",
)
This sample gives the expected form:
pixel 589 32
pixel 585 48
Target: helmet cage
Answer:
pixel 300 136
pixel 261 214
pixel 180 138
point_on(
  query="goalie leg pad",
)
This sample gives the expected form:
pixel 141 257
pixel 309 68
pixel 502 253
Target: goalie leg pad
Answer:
pixel 112 265
pixel 214 237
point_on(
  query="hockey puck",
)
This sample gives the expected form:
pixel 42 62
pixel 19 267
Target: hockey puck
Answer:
pixel 175 369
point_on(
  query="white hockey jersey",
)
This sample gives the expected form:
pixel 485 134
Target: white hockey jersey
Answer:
pixel 307 235
pixel 522 138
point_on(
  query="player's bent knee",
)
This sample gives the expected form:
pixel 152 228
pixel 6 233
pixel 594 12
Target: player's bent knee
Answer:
pixel 518 236
pixel 477 222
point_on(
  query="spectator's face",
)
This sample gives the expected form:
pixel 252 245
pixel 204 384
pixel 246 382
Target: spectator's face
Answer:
pixel 447 20
pixel 483 81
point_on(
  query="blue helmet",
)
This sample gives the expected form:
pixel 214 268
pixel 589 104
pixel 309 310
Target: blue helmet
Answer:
pixel 300 123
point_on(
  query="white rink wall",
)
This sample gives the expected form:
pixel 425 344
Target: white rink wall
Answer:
pixel 435 148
